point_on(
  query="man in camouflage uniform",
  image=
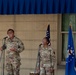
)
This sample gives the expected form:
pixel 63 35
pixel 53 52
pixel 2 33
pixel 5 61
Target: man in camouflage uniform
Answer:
pixel 13 48
pixel 46 60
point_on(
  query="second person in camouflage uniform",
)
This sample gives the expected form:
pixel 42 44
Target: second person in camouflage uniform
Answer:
pixel 46 59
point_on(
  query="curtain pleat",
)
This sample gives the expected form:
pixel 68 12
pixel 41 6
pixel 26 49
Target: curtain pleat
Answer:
pixel 37 6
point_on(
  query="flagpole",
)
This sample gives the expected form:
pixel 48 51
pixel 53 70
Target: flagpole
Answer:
pixel 70 60
pixel 75 56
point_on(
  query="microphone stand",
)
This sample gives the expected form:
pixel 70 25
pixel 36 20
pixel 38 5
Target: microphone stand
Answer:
pixel 38 59
pixel 3 65
pixel 3 51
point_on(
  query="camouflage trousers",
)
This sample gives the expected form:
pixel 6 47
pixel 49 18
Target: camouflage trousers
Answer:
pixel 12 67
pixel 46 71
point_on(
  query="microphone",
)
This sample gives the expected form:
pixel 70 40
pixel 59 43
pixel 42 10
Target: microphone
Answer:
pixel 4 46
pixel 40 44
pixel 5 37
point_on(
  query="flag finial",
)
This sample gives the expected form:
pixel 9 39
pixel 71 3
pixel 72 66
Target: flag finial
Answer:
pixel 70 26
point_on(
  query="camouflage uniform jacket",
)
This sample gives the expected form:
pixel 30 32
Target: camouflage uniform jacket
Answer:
pixel 46 57
pixel 14 43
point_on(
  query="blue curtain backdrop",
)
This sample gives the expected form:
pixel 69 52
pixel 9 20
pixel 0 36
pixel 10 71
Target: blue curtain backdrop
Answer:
pixel 37 6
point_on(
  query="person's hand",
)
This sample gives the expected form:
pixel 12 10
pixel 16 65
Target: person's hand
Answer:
pixel 51 70
pixel 13 49
pixel 37 70
pixel 0 48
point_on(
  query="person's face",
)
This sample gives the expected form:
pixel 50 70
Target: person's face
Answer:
pixel 10 34
pixel 44 42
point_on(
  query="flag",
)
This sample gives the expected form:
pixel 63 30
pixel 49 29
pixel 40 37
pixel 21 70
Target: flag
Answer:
pixel 48 32
pixel 70 60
